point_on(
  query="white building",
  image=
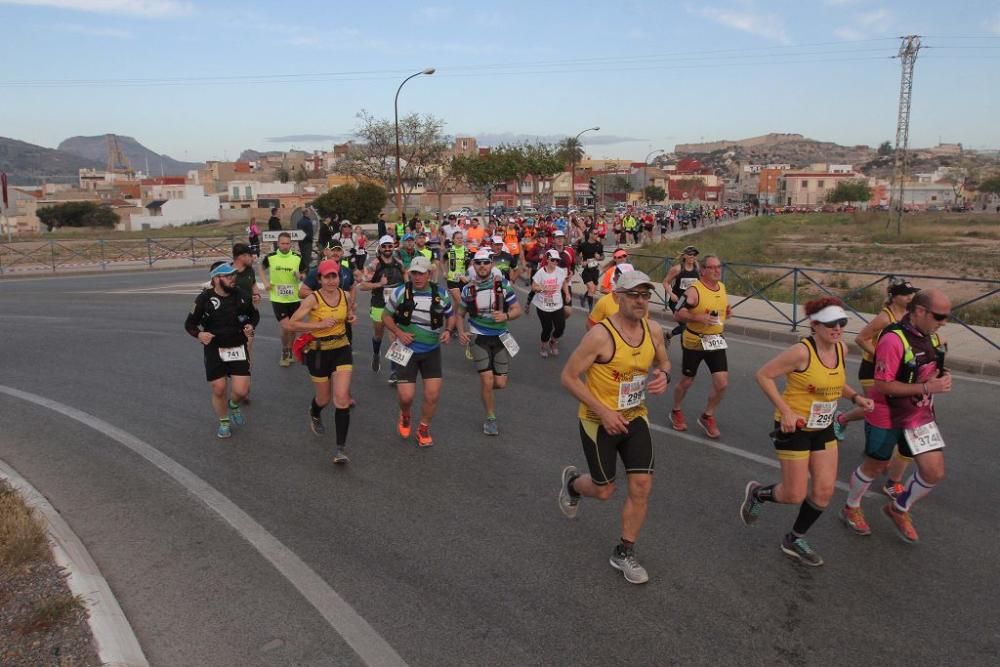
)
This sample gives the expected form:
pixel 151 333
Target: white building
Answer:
pixel 244 194
pixel 173 205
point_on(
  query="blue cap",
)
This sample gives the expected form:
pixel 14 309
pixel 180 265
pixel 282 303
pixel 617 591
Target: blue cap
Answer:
pixel 224 269
pixel 408 237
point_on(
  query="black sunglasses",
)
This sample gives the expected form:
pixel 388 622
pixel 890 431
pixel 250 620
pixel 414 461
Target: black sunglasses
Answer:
pixel 940 317
pixel 482 262
pixel 842 322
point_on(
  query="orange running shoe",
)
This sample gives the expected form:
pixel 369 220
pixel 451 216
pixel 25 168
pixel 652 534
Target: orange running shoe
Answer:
pixel 404 425
pixel 707 423
pixel 677 420
pixel 903 523
pixel 855 520
pixel 424 438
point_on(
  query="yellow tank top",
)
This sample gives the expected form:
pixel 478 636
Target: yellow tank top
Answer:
pixel 811 392
pixel 620 382
pixel 321 311
pixel 708 301
pixel 892 320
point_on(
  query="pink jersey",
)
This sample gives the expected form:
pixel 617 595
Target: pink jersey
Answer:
pixel 905 411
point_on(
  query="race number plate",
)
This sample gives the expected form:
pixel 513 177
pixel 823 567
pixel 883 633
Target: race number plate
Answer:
pixel 286 290
pixel 631 393
pixel 713 342
pixel 821 414
pixel 924 438
pixel 687 282
pixel 508 342
pixel 592 264
pixel 399 353
pixel 238 353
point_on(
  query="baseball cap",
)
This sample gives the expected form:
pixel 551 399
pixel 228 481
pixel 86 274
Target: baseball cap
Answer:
pixel 420 265
pixel 559 232
pixel 334 245
pixel 223 269
pixel 496 239
pixel 241 249
pixel 631 279
pixel 831 313
pixel 620 253
pixel 408 236
pixel 328 266
pixel 691 250
pixel 902 287
pixel 387 239
pixel 483 254
pixel 345 223
pixel 554 254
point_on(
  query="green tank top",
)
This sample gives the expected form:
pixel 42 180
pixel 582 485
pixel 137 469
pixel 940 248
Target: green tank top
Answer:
pixel 283 274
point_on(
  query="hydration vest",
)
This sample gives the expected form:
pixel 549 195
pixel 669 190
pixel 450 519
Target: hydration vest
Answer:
pixel 404 311
pixel 910 366
pixel 499 303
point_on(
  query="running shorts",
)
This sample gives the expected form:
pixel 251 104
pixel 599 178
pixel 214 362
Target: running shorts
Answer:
pixel 799 444
pixel 284 310
pixel 216 368
pixel 324 363
pixel 635 447
pixel 489 355
pixel 714 359
pixel 427 364
pixel 880 443
pixel 590 275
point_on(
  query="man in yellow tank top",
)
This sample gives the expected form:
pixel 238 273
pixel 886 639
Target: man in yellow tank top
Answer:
pixel 623 359
pixel 704 308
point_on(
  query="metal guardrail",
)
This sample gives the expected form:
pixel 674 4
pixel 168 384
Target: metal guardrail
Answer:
pixel 52 255
pixel 740 283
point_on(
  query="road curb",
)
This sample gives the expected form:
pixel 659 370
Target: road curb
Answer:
pixel 117 645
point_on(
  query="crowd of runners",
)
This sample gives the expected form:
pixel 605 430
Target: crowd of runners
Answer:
pixel 434 283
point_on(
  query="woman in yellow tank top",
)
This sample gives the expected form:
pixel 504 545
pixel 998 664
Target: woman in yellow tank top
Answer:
pixel 815 379
pixel 329 354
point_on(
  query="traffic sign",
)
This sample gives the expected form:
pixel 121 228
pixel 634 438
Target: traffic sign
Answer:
pixel 272 237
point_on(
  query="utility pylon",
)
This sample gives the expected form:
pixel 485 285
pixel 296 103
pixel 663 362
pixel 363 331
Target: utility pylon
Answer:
pixel 908 57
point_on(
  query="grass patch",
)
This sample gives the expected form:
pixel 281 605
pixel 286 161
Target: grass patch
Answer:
pixel 51 613
pixel 22 535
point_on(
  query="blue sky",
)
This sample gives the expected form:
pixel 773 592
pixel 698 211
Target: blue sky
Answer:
pixel 201 79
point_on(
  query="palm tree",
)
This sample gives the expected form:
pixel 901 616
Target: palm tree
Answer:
pixel 570 150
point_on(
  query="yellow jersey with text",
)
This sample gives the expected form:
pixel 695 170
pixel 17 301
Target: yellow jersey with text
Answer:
pixel 620 382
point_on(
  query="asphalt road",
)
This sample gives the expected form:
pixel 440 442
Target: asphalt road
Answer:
pixel 458 555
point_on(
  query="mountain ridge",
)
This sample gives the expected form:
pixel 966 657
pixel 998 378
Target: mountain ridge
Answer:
pixel 96 148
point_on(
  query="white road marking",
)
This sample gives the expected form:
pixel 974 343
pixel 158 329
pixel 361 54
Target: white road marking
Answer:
pixel 355 630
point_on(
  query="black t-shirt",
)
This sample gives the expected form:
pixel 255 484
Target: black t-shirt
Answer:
pixel 590 250
pixel 274 224
pixel 245 281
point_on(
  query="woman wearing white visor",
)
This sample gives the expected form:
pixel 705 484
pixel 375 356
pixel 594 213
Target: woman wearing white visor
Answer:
pixel 815 380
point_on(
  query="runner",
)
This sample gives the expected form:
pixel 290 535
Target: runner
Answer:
pixel 624 359
pixel 704 308
pixel 607 305
pixel 502 260
pixel 223 321
pixel 327 352
pixel 682 274
pixel 815 379
pixel 591 253
pixel 620 256
pixel 456 263
pixel 281 276
pixel 490 304
pixel 420 315
pixel 407 249
pixel 383 273
pixel 246 283
pixel 909 370
pixel 551 283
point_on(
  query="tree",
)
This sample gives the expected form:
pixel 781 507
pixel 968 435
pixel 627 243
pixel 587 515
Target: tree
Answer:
pixel 300 174
pixel 654 193
pixel 885 149
pixel 77 214
pixel 542 161
pixel 282 174
pixel 570 150
pixel 849 192
pixel 990 185
pixel 358 203
pixel 423 148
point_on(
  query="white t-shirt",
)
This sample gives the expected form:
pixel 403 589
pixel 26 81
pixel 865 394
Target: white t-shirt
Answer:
pixel 550 299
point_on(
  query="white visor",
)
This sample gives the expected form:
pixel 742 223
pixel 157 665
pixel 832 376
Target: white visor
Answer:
pixel 829 314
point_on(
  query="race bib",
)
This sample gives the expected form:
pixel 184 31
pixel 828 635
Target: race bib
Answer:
pixel 399 353
pixel 924 438
pixel 286 290
pixel 238 353
pixel 713 342
pixel 592 263
pixel 821 414
pixel 509 343
pixel 687 282
pixel 387 293
pixel 549 299
pixel 631 393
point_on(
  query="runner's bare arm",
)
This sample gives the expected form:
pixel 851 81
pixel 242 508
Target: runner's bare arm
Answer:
pixel 866 337
pixel 690 300
pixel 595 343
pixel 794 358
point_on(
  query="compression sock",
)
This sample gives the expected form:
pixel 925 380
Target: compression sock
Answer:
pixel 569 486
pixel 376 345
pixel 315 409
pixel 914 489
pixel 626 545
pixel 224 420
pixel 342 420
pixel 233 405
pixel 765 494
pixel 808 513
pixel 859 487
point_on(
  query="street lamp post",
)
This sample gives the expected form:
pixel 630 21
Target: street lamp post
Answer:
pixel 572 168
pixel 399 182
pixel 645 177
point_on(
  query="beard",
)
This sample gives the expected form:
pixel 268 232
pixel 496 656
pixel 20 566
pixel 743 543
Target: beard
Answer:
pixel 228 289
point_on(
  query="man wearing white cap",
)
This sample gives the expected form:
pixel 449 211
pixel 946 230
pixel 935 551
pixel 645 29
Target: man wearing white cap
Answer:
pixel 622 359
pixel 490 303
pixel 383 274
pixel 503 261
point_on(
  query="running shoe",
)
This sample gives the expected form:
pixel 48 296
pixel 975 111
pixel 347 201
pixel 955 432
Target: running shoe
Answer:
pixel 855 520
pixel 286 360
pixel 892 490
pixel 624 561
pixel 224 430
pixel 554 347
pixel 424 438
pixel 750 507
pixel 902 522
pixel 403 427
pixel 707 423
pixel 236 416
pixel 677 420
pixel 340 457
pixel 800 550
pixel 839 428
pixel 316 425
pixel 376 362
pixel 490 426
pixel 544 351
pixel 568 503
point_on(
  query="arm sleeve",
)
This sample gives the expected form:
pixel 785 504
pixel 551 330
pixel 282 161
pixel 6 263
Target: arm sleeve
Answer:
pixel 193 321
pixel 253 315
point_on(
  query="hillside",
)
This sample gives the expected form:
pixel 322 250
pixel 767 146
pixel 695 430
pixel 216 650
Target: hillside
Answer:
pixel 28 164
pixel 96 148
pixel 793 149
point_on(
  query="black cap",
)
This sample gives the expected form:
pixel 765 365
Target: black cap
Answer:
pixel 241 249
pixel 901 287
pixel 691 250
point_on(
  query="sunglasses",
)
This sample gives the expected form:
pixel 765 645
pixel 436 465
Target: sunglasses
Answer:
pixel 645 296
pixel 940 317
pixel 842 322
pixel 482 262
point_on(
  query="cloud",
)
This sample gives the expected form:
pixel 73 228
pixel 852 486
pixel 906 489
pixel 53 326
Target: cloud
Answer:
pixel 866 24
pixel 747 20
pixel 591 138
pixel 994 25
pixel 849 34
pixel 876 19
pixel 140 8
pixel 432 13
pixel 92 31
pixel 306 138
